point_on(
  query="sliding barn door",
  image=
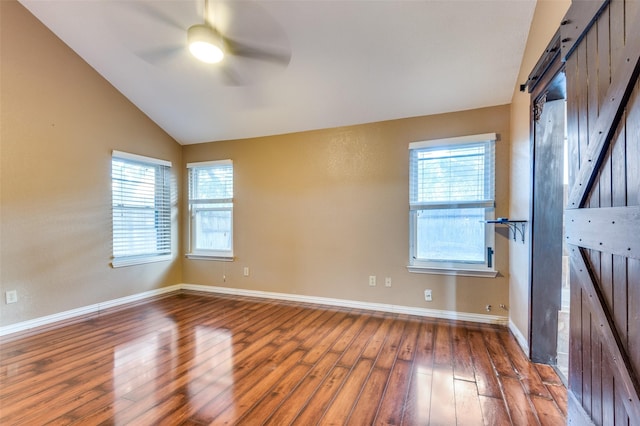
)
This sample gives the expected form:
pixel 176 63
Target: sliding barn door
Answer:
pixel 601 47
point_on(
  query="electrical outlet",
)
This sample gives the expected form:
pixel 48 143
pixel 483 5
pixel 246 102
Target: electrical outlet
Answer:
pixel 372 280
pixel 387 282
pixel 11 296
pixel 427 296
pixel 246 271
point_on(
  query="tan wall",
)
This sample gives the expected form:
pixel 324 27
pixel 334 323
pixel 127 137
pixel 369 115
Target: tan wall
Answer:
pixel 546 21
pixel 59 123
pixel 317 212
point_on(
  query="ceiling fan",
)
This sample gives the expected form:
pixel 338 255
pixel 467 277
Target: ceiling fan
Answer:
pixel 211 44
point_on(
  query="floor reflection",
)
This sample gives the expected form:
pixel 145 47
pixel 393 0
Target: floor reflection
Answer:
pixel 422 396
pixel 197 359
pixel 211 373
pixel 139 364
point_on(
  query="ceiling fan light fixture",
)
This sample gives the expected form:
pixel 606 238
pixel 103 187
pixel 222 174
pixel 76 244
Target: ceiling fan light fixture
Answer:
pixel 205 44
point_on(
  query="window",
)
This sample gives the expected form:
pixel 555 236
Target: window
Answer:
pixel 211 209
pixel 141 209
pixel 452 193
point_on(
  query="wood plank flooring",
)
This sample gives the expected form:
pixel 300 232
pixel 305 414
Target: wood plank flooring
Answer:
pixel 194 359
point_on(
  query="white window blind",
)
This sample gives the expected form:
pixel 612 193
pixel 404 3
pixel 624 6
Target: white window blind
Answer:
pixel 211 208
pixel 461 175
pixel 452 193
pixel 141 209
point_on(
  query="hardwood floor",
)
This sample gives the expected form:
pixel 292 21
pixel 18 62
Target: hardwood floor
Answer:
pixel 202 359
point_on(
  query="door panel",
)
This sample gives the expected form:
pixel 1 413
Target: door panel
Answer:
pixel 603 211
pixel 546 227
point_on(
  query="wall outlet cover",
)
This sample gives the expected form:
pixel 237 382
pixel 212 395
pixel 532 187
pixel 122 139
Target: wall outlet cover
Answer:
pixel 11 296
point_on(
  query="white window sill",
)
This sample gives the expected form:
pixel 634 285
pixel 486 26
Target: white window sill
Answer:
pixel 197 256
pixel 488 273
pixel 130 261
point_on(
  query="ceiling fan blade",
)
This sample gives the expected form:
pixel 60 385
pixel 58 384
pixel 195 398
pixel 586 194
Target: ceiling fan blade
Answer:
pixel 160 54
pixel 244 50
pixel 148 10
pixel 230 77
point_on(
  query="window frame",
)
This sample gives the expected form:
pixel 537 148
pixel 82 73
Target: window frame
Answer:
pixel 162 211
pixel 206 254
pixel 453 267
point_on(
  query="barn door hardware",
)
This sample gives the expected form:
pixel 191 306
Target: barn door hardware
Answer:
pixel 515 226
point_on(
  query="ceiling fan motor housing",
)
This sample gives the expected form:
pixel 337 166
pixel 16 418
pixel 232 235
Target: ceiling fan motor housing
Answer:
pixel 205 43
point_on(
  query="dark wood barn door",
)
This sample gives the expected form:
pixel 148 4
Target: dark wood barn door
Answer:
pixel 601 47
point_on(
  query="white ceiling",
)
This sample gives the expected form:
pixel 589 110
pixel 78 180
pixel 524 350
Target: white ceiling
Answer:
pixel 352 61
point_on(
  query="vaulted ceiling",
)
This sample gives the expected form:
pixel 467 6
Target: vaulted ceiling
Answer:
pixel 351 61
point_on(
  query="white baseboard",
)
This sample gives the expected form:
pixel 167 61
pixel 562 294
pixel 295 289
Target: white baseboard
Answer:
pixel 73 313
pixel 382 307
pixel 522 341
